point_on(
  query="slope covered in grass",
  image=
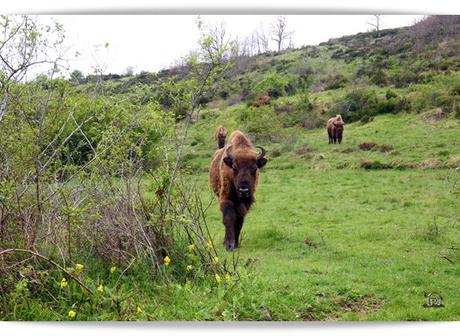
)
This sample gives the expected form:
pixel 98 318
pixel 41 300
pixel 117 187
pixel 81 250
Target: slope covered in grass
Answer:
pixel 332 238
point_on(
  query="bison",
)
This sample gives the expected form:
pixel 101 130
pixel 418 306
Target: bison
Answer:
pixel 262 100
pixel 234 175
pixel 335 129
pixel 220 136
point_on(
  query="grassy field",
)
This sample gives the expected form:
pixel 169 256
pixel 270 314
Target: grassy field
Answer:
pixel 365 230
pixel 330 239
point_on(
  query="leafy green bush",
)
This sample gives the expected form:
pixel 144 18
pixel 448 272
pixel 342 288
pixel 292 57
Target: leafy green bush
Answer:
pixel 363 104
pixel 273 85
pixel 261 122
pixel 428 97
pixel 333 82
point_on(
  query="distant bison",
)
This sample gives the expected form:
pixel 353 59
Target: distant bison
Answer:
pixel 335 129
pixel 262 100
pixel 220 136
pixel 234 175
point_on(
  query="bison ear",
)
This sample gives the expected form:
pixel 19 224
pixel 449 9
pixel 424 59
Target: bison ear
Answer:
pixel 228 161
pixel 261 162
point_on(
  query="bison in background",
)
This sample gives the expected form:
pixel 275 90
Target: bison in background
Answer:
pixel 335 129
pixel 234 175
pixel 220 136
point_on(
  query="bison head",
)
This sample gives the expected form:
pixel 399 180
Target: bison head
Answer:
pixel 245 166
pixel 339 127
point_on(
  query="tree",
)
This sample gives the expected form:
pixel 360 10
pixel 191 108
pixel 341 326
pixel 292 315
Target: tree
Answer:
pixel 215 41
pixel 261 39
pixel 129 71
pixel 77 77
pixel 376 24
pixel 279 31
pixel 25 43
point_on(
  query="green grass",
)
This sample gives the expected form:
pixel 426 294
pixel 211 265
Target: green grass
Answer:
pixel 351 243
pixel 326 239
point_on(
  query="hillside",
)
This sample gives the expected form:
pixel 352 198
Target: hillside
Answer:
pixel 411 61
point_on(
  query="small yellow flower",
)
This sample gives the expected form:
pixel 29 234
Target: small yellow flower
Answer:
pixel 63 283
pixel 100 289
pixel 79 267
pixel 72 314
pixel 215 260
pixel 113 269
pixel 210 246
pixel 139 309
pixel 217 277
pixel 191 248
pixel 189 267
pixel 228 278
pixel 167 260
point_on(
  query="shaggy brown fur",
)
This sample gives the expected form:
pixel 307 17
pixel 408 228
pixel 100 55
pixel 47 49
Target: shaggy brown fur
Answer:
pixel 334 128
pixel 262 100
pixel 234 175
pixel 220 136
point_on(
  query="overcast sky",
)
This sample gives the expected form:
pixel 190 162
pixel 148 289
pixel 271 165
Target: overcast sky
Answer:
pixel 154 42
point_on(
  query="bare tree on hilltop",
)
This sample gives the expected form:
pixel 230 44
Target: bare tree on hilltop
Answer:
pixel 279 31
pixel 376 22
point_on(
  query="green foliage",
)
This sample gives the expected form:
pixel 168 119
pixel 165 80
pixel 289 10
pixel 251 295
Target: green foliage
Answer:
pixel 272 84
pixel 427 97
pixel 260 122
pixel 363 104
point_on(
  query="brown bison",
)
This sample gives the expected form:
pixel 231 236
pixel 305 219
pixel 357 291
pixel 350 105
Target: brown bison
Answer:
pixel 220 136
pixel 234 174
pixel 335 129
pixel 262 100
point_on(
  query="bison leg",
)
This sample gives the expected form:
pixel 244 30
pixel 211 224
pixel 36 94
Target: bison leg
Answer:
pixel 229 219
pixel 339 139
pixel 238 226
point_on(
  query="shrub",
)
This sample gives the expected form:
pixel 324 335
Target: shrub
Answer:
pixel 361 104
pixel 429 97
pixel 260 122
pixel 272 85
pixel 333 82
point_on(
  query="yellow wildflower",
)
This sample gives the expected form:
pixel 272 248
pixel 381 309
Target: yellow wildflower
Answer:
pixel 113 269
pixel 167 260
pixel 189 267
pixel 63 283
pixel 228 277
pixel 217 277
pixel 79 268
pixel 210 246
pixel 139 309
pixel 72 314
pixel 100 289
pixel 191 248
pixel 215 260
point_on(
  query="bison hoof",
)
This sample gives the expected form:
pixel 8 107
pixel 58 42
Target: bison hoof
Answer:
pixel 230 246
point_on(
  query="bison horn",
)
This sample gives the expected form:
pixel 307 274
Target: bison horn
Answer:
pixel 262 152
pixel 229 154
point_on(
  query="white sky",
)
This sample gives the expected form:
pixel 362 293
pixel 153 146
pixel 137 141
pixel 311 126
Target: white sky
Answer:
pixel 154 42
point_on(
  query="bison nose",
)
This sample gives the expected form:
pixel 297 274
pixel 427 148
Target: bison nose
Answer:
pixel 244 192
pixel 230 246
